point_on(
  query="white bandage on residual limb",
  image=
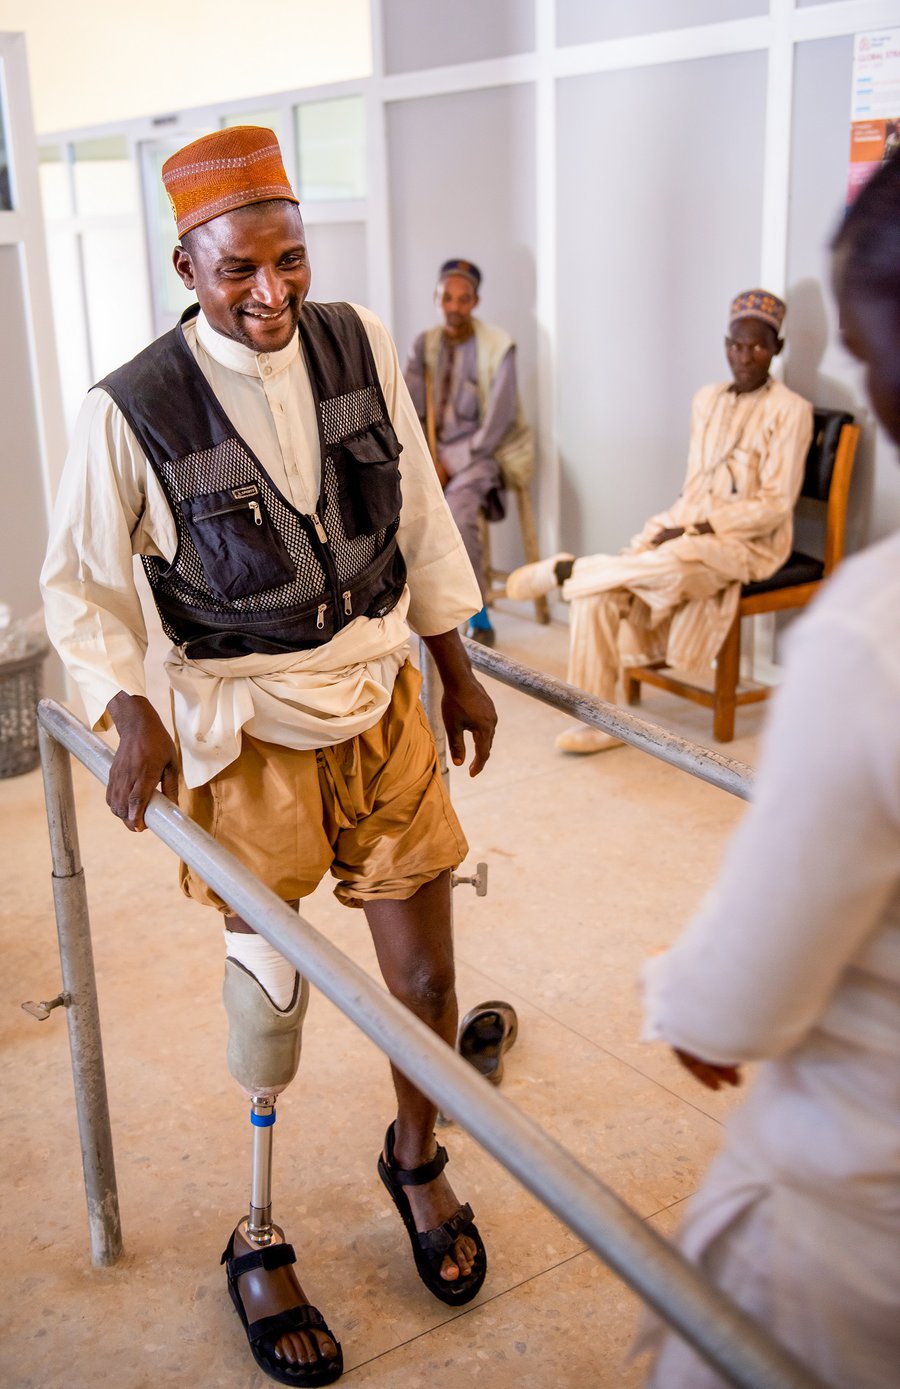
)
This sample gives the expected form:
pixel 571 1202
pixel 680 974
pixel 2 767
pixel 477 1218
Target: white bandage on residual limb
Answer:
pixel 265 963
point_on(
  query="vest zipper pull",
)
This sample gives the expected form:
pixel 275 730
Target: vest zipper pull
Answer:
pixel 320 615
pixel 257 513
pixel 348 603
pixel 319 528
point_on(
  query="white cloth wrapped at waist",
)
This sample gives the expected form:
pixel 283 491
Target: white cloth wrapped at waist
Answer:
pixel 302 699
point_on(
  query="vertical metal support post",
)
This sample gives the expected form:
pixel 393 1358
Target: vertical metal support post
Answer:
pixel 82 1013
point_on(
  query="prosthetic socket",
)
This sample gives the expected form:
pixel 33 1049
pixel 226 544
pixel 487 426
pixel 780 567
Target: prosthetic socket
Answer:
pixel 263 1056
pixel 263 1041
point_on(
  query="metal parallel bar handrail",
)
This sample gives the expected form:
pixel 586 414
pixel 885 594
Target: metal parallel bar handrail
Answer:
pixel 724 772
pixel 718 1329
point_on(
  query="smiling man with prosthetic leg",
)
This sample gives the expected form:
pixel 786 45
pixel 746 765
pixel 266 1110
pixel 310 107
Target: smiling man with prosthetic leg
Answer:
pixel 252 460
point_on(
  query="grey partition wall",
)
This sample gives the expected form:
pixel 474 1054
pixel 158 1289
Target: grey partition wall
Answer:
pixel 462 183
pixel 660 176
pixel 337 254
pixel 580 22
pixel 418 35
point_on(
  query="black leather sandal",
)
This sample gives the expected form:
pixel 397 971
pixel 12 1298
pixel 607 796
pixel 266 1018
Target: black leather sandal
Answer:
pixel 265 1333
pixel 486 1033
pixel 430 1246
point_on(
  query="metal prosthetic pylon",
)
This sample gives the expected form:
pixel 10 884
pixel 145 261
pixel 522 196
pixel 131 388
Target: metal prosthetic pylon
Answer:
pixel 257 1227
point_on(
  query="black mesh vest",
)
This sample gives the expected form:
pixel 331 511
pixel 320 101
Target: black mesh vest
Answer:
pixel 251 573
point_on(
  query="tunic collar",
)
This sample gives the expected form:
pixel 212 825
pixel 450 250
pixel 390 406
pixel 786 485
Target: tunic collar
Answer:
pixel 749 395
pixel 236 357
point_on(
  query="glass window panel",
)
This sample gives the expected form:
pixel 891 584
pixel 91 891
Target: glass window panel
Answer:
pixel 64 265
pixel 170 294
pixel 331 149
pixel 104 177
pixel 23 528
pixel 118 320
pixel 6 194
pixel 56 186
pixel 270 119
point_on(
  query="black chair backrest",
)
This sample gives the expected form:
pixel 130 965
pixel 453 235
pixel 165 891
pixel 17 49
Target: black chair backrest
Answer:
pixel 827 426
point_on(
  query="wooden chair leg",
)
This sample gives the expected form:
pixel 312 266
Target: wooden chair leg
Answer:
pixel 530 545
pixel 631 687
pixel 487 567
pixel 727 667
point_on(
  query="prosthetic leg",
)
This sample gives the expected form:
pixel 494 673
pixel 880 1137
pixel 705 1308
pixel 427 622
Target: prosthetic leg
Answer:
pixel 263 1056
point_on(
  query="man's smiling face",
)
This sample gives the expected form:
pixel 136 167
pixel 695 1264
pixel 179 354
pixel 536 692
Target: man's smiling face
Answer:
pixel 250 272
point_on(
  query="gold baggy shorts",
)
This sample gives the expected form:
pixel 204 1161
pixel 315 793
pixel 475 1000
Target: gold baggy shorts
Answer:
pixel 373 810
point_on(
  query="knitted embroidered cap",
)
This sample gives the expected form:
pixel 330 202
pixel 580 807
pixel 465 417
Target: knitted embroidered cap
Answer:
pixel 220 172
pixel 465 268
pixel 758 303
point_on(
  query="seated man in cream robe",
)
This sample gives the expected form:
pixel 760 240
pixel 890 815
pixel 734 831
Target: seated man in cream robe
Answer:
pixel 678 583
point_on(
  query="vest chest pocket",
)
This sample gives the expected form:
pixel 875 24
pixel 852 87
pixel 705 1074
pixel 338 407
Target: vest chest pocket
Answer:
pixel 368 473
pixel 240 550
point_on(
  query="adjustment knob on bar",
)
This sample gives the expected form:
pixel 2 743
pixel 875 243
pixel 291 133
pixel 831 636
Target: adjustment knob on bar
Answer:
pixel 42 1010
pixel 479 880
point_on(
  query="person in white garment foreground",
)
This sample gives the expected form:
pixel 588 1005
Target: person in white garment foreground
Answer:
pixel 794 958
pixel 251 458
pixel 673 592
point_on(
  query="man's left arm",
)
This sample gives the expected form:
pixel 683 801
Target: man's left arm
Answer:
pixel 784 446
pixel 466 707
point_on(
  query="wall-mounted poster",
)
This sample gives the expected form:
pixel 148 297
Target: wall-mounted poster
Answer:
pixel 875 105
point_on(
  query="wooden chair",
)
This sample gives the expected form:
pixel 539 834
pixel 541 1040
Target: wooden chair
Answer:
pixel 829 467
pixel 495 579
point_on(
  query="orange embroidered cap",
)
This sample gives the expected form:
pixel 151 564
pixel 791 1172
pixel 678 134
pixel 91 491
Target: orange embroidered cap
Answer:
pixel 223 171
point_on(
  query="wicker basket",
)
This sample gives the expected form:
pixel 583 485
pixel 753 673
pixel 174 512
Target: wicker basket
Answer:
pixel 20 690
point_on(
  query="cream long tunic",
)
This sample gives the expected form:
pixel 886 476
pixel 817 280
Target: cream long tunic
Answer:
pixel 111 507
pixel 744 474
pixel 794 960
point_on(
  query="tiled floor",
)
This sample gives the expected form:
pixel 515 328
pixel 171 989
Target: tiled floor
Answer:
pixel 594 863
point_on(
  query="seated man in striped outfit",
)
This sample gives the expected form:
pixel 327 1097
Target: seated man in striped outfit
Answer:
pixel 677 584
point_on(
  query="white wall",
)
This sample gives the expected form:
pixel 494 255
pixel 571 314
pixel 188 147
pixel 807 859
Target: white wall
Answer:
pixel 677 151
pixel 30 405
pixel 618 170
pixel 816 364
pixel 105 60
pixel 660 172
